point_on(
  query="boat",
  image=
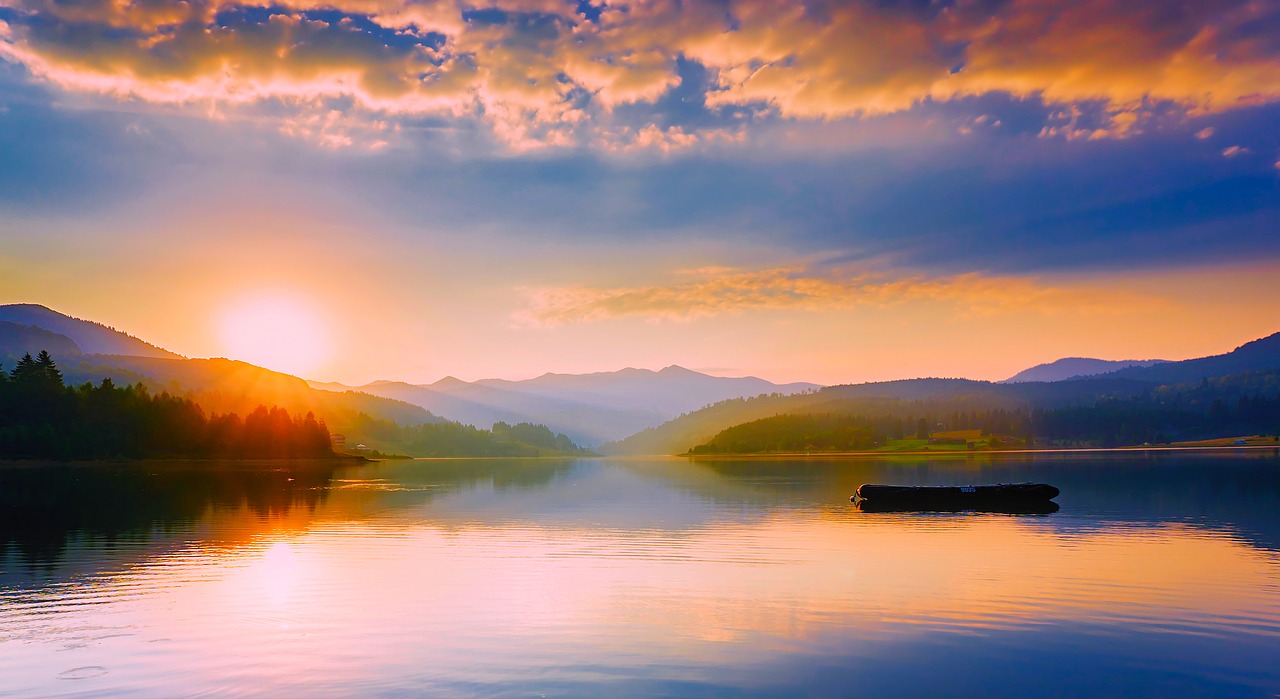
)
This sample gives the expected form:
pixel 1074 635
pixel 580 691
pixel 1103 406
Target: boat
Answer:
pixel 953 497
pixel 1015 507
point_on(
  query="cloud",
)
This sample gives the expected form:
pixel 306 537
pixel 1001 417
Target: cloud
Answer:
pixel 1233 151
pixel 1204 133
pixel 545 73
pixel 717 291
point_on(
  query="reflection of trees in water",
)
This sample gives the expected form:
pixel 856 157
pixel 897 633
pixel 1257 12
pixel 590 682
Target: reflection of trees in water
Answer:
pixel 43 507
pixel 1237 492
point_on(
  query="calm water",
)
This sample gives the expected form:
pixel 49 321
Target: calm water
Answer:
pixel 1159 576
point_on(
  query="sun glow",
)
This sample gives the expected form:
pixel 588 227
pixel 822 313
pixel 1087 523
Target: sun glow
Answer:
pixel 278 333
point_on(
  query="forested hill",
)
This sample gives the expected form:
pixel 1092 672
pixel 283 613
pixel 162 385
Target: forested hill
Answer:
pixel 900 398
pixel 1259 355
pixel 89 352
pixel 1231 406
pixel 451 440
pixel 1248 371
pixel 42 418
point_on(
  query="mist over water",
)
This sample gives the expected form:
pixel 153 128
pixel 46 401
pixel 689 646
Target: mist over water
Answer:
pixel 1159 576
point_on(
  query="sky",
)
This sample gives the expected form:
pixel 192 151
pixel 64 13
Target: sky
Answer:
pixel 833 192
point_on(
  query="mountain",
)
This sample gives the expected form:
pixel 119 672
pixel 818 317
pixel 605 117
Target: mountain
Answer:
pixel 672 390
pixel 1073 367
pixel 590 408
pixel 481 405
pixel 17 339
pixel 225 385
pixel 89 352
pixel 89 337
pixel 1258 355
pixel 1252 365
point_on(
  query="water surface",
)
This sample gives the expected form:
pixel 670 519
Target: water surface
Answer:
pixel 1159 576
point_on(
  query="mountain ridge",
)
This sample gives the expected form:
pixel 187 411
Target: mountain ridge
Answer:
pixel 1261 356
pixel 1074 367
pixel 591 408
pixel 90 336
pixel 17 339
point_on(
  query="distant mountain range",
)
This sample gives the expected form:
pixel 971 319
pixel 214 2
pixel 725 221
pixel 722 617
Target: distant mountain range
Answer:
pixel 627 411
pixel 590 408
pixel 1072 367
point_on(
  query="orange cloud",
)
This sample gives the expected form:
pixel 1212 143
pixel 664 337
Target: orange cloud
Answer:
pixel 716 291
pixel 557 77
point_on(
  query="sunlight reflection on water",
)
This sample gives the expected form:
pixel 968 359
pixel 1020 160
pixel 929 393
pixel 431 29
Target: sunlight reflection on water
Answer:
pixel 657 576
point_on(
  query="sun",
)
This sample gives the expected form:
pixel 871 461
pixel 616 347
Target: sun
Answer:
pixel 277 332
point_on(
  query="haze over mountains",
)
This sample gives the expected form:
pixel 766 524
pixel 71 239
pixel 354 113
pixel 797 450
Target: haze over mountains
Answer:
pixel 591 408
pixel 636 411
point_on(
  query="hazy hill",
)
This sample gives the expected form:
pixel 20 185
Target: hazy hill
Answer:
pixel 677 435
pixel 89 337
pixel 17 339
pixel 1072 367
pixel 224 385
pixel 1253 363
pixel 1246 403
pixel 590 408
pixel 1258 355
pixel 481 405
pixel 670 391
pixel 88 351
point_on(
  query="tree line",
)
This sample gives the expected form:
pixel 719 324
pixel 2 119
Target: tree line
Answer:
pixel 40 417
pixel 449 439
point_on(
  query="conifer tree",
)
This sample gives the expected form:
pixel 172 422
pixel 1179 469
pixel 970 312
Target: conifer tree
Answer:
pixel 48 369
pixel 25 370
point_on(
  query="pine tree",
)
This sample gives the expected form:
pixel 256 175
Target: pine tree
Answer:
pixel 47 368
pixel 25 370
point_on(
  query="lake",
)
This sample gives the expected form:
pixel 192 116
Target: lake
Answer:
pixel 1159 576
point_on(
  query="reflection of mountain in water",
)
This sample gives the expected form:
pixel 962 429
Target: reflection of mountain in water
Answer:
pixel 64 520
pixel 44 507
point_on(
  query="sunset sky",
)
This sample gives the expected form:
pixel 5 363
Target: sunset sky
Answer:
pixel 822 191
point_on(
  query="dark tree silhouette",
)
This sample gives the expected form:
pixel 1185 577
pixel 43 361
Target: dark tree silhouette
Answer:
pixel 42 418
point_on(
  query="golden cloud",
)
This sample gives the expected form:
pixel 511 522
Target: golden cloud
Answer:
pixel 718 291
pixel 551 74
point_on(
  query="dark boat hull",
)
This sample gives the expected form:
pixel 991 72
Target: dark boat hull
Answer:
pixel 955 497
pixel 1028 507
